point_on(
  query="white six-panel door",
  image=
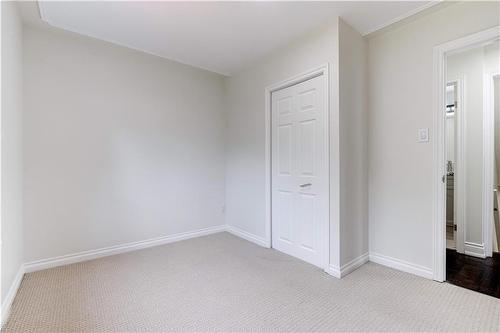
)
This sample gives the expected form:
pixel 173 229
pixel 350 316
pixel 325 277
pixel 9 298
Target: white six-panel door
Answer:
pixel 300 191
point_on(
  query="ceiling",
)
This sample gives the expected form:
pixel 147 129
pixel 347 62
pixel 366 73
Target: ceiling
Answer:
pixel 222 37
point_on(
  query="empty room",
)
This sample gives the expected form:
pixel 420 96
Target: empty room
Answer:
pixel 179 166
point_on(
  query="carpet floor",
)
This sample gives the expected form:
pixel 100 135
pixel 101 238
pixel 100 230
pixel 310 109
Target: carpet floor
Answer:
pixel 223 283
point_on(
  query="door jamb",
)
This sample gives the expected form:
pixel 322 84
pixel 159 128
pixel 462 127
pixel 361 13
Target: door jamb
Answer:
pixel 439 191
pixel 318 71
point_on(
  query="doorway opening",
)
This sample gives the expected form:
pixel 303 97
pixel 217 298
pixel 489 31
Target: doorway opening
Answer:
pixel 468 148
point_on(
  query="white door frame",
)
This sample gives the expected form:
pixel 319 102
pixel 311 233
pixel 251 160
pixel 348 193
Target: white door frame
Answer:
pixel 489 159
pixel 439 98
pixel 319 71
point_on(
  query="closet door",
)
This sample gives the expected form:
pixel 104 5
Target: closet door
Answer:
pixel 300 190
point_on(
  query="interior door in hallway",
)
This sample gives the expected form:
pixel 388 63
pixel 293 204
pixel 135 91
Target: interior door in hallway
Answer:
pixel 300 191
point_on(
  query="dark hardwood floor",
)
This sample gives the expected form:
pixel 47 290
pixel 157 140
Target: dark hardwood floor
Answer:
pixel 481 275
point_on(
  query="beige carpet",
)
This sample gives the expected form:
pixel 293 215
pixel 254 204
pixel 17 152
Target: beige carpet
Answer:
pixel 223 283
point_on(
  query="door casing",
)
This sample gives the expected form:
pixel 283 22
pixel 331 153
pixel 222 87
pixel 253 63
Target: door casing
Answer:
pixel 440 52
pixel 322 70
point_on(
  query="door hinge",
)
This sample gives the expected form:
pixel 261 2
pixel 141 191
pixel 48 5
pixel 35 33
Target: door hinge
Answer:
pixel 455 227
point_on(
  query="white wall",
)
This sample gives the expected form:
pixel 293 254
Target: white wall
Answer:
pixel 353 95
pixel 245 169
pixel 492 57
pixel 245 166
pixel 119 146
pixel 11 148
pixel 400 86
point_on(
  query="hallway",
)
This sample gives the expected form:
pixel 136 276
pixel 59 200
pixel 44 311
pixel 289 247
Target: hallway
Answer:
pixel 481 275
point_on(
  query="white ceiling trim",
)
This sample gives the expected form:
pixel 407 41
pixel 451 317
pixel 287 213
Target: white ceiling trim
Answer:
pixel 402 17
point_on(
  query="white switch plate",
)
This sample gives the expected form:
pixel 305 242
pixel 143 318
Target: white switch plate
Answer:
pixel 423 135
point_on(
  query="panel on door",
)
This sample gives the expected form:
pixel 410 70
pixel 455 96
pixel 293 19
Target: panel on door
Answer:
pixel 300 171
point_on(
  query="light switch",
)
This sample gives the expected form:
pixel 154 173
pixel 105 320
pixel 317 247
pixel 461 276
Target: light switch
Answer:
pixel 423 135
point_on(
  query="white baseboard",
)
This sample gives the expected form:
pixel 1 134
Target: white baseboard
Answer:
pixel 347 268
pixel 248 236
pixel 11 294
pixel 107 251
pixel 401 265
pixel 333 271
pixel 475 250
pixel 354 264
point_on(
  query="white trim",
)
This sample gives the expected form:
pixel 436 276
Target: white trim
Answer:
pixel 122 248
pixel 248 236
pixel 401 17
pixel 401 265
pixel 42 13
pixel 439 158
pixel 333 271
pixel 475 250
pixel 354 264
pixel 488 160
pixel 347 268
pixel 11 294
pixel 439 192
pixel 321 70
